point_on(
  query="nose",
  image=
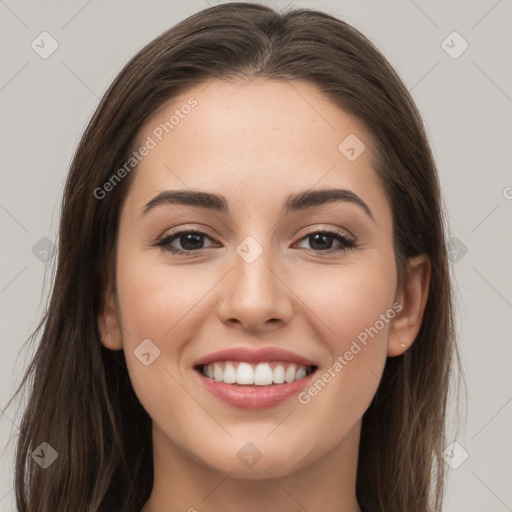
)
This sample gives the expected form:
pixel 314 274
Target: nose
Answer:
pixel 256 296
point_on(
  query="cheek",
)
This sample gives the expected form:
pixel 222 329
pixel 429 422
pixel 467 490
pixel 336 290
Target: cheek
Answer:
pixel 343 389
pixel 350 299
pixel 355 313
pixel 158 301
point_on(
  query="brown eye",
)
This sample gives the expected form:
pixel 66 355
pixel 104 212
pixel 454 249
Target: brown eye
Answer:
pixel 190 241
pixel 322 241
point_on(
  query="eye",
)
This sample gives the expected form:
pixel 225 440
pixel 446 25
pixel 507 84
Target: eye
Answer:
pixel 190 241
pixel 322 241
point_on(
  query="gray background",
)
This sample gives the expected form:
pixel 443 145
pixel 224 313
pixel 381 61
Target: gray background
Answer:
pixel 466 105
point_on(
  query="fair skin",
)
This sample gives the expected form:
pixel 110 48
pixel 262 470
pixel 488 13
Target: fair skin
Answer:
pixel 256 142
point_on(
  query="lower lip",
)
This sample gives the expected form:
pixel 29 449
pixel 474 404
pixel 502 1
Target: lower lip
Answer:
pixel 254 397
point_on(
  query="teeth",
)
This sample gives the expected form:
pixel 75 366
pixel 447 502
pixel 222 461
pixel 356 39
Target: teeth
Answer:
pixel 217 372
pixel 289 375
pixel 278 375
pixel 244 374
pixel 230 374
pixel 261 374
pixel 301 373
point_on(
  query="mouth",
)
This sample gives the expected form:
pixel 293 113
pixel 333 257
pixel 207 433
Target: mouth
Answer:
pixel 254 379
pixel 242 373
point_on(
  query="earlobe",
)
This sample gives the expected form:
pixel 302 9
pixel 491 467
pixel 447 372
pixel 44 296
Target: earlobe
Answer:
pixel 108 321
pixel 413 300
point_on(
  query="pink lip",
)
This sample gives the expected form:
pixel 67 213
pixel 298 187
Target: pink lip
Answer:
pixel 255 356
pixel 254 397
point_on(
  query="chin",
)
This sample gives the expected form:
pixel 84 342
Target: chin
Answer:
pixel 248 462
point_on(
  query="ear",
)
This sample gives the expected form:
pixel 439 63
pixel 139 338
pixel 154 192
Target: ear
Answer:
pixel 108 320
pixel 413 298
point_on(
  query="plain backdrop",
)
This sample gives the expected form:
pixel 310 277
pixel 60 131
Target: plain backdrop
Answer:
pixel 464 95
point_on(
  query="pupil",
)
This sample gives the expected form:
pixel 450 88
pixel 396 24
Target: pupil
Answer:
pixel 318 237
pixel 191 241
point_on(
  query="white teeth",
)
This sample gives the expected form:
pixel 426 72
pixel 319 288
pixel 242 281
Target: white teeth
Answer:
pixel 217 372
pixel 229 374
pixel 263 375
pixel 301 373
pixel 244 374
pixel 260 374
pixel 289 375
pixel 278 375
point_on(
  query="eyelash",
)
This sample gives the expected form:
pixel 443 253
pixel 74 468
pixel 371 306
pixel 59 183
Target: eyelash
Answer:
pixel 165 241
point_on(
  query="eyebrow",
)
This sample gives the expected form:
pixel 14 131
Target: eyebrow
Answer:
pixel 295 202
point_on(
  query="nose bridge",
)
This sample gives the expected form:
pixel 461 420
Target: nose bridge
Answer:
pixel 255 294
pixel 252 264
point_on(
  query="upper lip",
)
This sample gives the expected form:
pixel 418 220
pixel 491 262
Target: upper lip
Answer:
pixel 254 356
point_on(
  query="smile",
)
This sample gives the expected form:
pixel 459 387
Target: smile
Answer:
pixel 255 374
pixel 246 378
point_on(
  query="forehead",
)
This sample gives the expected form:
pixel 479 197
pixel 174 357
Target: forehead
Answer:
pixel 257 137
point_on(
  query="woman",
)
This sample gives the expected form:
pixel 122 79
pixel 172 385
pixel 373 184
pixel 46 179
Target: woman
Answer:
pixel 252 307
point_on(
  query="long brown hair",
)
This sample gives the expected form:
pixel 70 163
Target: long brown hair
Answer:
pixel 81 400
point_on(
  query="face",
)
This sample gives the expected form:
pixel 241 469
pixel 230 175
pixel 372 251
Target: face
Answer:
pixel 297 297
